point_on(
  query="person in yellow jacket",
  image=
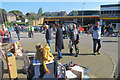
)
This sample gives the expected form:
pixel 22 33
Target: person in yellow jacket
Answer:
pixel 30 31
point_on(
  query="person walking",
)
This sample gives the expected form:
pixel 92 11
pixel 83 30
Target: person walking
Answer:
pixel 48 36
pixel 29 31
pixel 32 30
pixel 74 40
pixel 63 29
pixel 111 30
pixel 17 29
pixel 59 45
pixel 3 27
pixel 96 35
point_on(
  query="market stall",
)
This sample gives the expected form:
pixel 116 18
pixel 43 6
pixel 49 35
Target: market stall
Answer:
pixel 35 68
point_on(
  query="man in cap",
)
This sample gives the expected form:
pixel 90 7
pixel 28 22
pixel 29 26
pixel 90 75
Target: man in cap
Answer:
pixel 17 29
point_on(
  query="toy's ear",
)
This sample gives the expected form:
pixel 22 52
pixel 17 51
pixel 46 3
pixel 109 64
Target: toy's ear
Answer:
pixel 37 46
pixel 40 46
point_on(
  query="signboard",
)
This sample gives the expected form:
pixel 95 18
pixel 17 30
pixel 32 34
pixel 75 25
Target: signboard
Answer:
pixel 41 20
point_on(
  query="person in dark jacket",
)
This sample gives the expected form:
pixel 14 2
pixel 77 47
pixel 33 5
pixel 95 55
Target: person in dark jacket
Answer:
pixel 17 29
pixel 48 36
pixel 74 39
pixel 59 45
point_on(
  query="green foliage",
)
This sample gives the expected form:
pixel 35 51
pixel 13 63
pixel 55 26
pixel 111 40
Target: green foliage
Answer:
pixel 40 12
pixel 85 26
pixel 13 23
pixel 42 15
pixel 118 78
pixel 30 22
pixel 20 23
pixel 75 13
pixel 9 23
pixel 16 11
pixel 32 16
pixel 18 18
pixel 3 10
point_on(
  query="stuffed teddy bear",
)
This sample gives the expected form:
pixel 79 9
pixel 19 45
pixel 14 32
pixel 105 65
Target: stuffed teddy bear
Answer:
pixel 44 55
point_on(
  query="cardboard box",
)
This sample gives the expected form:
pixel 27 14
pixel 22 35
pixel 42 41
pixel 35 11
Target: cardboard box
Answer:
pixel 70 74
pixel 12 67
pixel 77 70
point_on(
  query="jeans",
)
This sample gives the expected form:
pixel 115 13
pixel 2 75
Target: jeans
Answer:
pixel 60 54
pixel 18 34
pixel 95 42
pixel 29 34
pixel 49 42
pixel 32 34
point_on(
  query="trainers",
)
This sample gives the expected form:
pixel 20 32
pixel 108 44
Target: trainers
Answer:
pixel 76 55
pixel 71 54
pixel 95 53
pixel 59 57
pixel 98 52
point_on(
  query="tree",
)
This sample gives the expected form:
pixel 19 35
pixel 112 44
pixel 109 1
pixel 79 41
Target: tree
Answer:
pixel 31 17
pixel 16 11
pixel 40 12
pixel 3 11
pixel 75 13
pixel 27 14
pixel 3 16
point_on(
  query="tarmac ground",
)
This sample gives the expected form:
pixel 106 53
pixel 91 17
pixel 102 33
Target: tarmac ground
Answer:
pixel 101 66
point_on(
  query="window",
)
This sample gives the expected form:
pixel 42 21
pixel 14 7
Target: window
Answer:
pixel 101 12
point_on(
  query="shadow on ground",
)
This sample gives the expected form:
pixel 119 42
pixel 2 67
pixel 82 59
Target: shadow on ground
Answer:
pixel 63 54
pixel 21 37
pixel 68 54
pixel 87 54
pixel 109 41
pixel 20 71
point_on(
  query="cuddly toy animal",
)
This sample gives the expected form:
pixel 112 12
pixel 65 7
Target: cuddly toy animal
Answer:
pixel 44 55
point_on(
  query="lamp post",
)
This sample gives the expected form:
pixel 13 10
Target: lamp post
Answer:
pixel 82 12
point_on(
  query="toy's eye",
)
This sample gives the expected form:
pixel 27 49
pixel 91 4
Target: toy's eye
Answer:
pixel 39 46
